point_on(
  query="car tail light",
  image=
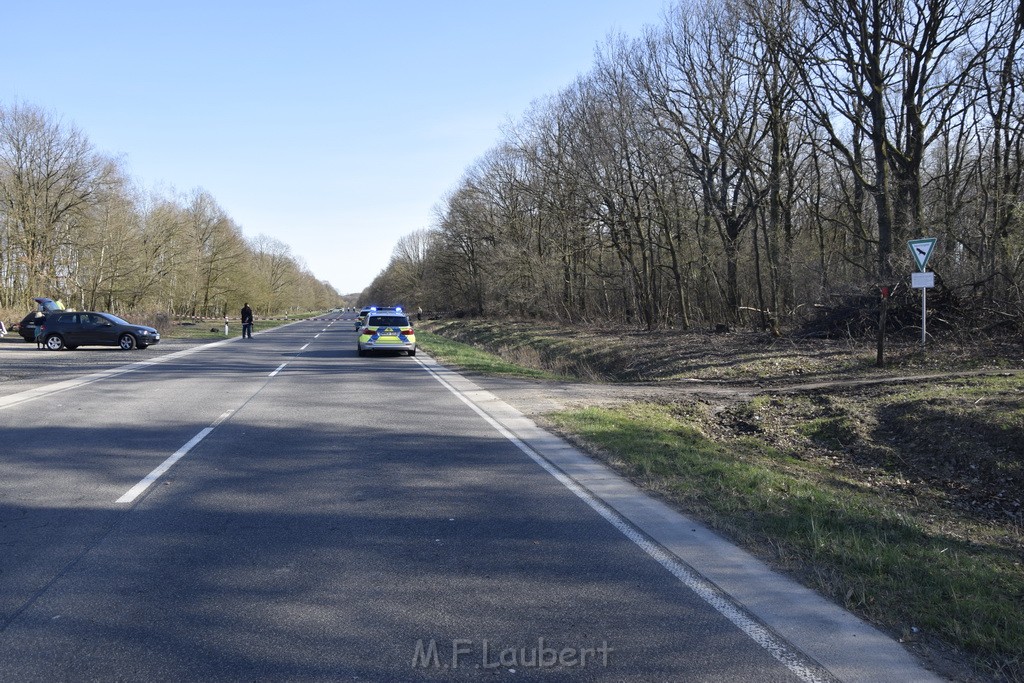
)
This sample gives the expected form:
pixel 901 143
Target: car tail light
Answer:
pixel 407 332
pixel 366 330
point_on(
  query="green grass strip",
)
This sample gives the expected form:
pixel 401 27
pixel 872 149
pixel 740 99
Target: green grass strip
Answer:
pixel 473 359
pixel 841 538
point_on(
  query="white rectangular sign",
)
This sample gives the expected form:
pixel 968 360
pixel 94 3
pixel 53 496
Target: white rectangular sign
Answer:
pixel 922 280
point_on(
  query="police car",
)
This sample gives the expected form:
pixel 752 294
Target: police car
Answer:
pixel 363 312
pixel 386 329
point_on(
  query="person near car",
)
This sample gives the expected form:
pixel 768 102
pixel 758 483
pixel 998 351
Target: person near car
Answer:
pixel 246 322
pixel 39 332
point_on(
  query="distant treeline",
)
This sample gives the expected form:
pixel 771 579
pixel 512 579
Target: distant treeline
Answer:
pixel 742 162
pixel 73 227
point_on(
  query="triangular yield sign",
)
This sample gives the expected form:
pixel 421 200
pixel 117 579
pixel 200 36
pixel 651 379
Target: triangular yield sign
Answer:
pixel 921 250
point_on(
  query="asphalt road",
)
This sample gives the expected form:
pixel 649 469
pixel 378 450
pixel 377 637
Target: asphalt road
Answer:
pixel 319 516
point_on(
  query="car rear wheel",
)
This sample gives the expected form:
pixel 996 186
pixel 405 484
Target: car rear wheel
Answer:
pixel 412 352
pixel 54 342
pixel 127 342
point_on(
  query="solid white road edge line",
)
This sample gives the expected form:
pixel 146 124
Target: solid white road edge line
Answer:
pixel 135 491
pixel 778 649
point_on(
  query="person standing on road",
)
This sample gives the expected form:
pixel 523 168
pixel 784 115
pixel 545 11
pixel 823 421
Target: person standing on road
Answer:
pixel 39 331
pixel 246 322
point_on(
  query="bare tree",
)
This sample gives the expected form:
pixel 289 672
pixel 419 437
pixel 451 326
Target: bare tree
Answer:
pixel 464 247
pixel 49 174
pixel 889 69
pixel 274 274
pixel 566 246
pixel 706 97
pixel 216 249
pixel 108 250
pixel 1002 87
pixel 409 264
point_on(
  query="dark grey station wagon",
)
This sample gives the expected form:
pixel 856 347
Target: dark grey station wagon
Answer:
pixel 71 329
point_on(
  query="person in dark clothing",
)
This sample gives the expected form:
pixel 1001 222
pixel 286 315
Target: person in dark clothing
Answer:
pixel 246 322
pixel 39 331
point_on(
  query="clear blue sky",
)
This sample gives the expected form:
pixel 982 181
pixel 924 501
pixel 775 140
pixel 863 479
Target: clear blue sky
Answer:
pixel 335 127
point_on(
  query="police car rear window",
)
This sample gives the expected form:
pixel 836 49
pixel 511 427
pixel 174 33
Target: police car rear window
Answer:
pixel 388 321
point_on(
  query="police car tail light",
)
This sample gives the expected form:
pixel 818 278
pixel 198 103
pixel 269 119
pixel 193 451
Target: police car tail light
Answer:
pixel 407 332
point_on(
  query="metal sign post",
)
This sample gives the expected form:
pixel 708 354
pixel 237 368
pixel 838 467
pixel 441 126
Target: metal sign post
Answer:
pixel 921 250
pixel 924 316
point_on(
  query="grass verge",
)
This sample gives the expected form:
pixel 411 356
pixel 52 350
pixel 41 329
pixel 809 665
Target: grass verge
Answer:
pixel 475 360
pixel 847 541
